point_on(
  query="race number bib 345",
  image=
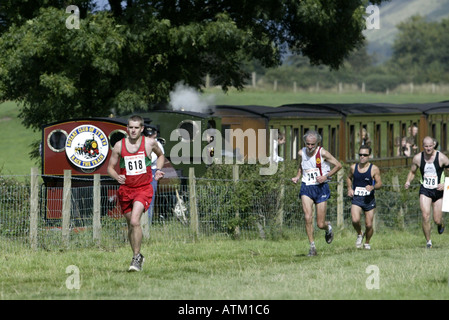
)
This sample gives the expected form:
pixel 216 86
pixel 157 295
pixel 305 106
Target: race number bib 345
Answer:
pixel 135 165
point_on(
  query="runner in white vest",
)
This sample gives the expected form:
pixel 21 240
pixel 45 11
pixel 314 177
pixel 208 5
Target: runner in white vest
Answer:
pixel 316 172
pixel 431 164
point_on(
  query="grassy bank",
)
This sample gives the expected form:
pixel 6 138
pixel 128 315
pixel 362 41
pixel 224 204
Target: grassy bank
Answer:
pixel 398 264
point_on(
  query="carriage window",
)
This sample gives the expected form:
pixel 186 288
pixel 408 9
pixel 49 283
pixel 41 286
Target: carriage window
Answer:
pixel 351 148
pixel 192 130
pixel 295 144
pixel 443 144
pixel 224 128
pixel 211 124
pixel 56 140
pixel 391 142
pixel 412 139
pixel 116 136
pixel 320 131
pixel 301 135
pixel 333 142
pixel 377 142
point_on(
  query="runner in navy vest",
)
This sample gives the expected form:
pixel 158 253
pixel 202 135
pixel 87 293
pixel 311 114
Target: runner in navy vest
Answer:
pixel 315 170
pixel 362 180
pixel 431 165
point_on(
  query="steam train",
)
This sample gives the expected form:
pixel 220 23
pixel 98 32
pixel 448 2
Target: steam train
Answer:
pixel 394 133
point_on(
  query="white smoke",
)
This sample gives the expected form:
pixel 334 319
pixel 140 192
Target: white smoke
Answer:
pixel 186 98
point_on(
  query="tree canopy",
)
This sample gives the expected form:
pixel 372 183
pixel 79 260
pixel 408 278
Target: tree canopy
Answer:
pixel 130 57
pixel 421 51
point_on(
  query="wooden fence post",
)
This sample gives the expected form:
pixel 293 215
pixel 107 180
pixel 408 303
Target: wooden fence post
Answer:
pixel 34 207
pixel 340 198
pixel 235 178
pixel 97 210
pixel 396 188
pixel 194 222
pixel 66 207
pixel 280 200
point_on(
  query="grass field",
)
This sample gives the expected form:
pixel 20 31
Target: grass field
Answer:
pixel 270 98
pixel 398 265
pixel 15 142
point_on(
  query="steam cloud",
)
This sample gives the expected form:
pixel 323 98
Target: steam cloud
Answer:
pixel 186 98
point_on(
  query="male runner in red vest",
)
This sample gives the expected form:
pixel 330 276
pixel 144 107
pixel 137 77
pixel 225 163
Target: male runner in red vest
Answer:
pixel 135 192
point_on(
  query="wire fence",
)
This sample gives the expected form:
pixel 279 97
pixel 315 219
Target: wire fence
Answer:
pixel 188 211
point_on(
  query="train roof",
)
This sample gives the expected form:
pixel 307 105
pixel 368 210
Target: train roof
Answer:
pixel 257 110
pixel 355 108
pixel 189 113
pixel 302 110
pixel 103 119
pixel 337 110
pixel 437 107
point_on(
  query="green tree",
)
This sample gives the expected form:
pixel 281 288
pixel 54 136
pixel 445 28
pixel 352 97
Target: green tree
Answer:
pixel 421 51
pixel 131 56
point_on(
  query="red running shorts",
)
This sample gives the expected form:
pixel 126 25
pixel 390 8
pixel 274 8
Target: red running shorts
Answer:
pixel 128 195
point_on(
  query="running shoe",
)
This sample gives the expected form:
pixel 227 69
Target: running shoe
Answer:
pixel 329 235
pixel 367 246
pixel 358 242
pixel 440 228
pixel 137 263
pixel 312 252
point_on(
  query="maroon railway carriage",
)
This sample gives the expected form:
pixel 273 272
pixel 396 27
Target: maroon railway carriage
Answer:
pixel 84 147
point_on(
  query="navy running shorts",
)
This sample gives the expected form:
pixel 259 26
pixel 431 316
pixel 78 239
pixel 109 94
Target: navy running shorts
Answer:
pixel 318 193
pixel 366 203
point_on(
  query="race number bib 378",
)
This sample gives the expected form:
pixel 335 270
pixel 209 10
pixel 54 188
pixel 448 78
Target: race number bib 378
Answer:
pixel 135 165
pixel 430 181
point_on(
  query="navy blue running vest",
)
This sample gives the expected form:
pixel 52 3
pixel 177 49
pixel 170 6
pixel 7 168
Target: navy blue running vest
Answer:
pixel 363 179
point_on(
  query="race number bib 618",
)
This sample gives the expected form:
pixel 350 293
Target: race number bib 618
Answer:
pixel 135 165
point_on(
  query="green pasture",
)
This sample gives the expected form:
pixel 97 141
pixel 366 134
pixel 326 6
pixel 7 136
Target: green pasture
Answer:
pixel 15 142
pixel 271 98
pixel 397 267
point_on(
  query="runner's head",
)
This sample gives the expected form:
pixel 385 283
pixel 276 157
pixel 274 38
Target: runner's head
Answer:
pixel 312 139
pixel 428 144
pixel 364 153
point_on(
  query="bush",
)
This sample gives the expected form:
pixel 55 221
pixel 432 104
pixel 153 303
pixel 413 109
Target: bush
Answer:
pixel 381 82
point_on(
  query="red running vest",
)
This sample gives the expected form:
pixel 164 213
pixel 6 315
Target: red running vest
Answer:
pixel 136 166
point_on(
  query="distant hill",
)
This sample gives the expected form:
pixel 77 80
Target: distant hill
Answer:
pixel 392 13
